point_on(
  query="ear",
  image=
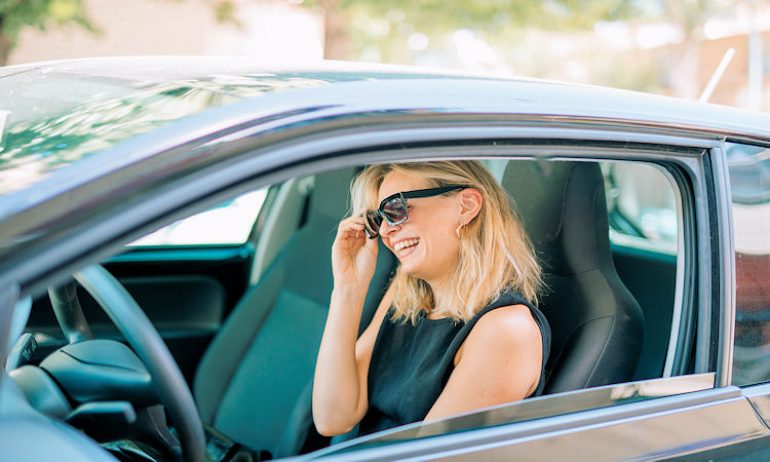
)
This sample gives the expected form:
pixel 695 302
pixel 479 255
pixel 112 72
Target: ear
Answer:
pixel 470 204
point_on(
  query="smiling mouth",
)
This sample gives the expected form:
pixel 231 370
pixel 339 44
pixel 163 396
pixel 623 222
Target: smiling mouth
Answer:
pixel 405 247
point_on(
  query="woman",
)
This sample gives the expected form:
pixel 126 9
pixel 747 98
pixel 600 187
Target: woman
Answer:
pixel 457 328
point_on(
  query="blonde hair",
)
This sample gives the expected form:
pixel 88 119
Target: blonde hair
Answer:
pixel 495 252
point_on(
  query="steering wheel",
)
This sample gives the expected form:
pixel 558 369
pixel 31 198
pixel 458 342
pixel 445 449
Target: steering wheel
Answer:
pixel 141 335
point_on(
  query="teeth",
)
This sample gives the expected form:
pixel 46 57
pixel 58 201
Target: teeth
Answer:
pixel 405 243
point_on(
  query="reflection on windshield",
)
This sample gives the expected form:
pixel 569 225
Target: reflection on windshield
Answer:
pixel 3 119
pixel 65 119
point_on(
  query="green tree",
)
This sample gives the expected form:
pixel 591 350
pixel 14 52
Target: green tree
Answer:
pixel 345 20
pixel 15 15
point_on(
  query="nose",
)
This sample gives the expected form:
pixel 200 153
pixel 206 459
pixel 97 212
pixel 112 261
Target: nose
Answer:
pixel 386 229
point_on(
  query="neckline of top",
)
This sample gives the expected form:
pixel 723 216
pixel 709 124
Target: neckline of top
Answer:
pixel 424 316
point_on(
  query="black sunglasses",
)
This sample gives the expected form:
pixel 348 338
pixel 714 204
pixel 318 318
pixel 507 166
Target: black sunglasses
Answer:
pixel 393 208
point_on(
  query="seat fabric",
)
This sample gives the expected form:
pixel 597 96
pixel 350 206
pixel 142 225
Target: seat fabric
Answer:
pixel 597 325
pixel 256 372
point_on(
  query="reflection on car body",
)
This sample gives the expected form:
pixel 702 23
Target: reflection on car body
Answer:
pixel 97 154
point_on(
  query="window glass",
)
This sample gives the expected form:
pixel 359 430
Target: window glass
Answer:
pixel 228 223
pixel 641 206
pixel 750 183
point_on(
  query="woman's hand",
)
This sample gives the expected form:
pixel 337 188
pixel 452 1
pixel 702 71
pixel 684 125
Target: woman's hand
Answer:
pixel 354 256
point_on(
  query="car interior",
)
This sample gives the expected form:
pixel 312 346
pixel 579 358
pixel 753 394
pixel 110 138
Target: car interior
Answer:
pixel 244 321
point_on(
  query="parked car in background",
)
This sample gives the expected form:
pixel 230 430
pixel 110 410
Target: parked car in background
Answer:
pixel 165 233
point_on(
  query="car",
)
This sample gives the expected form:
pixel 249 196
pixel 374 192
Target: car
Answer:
pixel 165 233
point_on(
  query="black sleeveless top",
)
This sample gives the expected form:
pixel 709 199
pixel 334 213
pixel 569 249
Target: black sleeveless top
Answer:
pixel 411 364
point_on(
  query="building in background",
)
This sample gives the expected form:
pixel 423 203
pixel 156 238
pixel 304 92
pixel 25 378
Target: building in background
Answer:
pixel 271 31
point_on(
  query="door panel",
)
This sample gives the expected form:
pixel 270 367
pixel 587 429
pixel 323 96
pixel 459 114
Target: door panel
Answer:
pixel 612 437
pixel 677 423
pixel 751 450
pixel 759 396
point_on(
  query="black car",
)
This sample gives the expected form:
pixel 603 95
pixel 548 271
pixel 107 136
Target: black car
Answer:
pixel 165 234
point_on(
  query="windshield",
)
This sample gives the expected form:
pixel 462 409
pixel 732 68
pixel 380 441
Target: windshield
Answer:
pixel 53 118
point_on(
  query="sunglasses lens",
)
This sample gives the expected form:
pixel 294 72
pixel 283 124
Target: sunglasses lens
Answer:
pixel 395 210
pixel 372 223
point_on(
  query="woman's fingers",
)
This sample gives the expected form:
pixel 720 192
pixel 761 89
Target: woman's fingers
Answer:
pixel 351 226
pixel 352 252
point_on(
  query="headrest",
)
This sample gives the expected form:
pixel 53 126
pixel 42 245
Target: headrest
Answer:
pixel 331 195
pixel 563 209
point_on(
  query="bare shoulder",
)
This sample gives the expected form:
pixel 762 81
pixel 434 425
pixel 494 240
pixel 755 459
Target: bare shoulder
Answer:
pixel 513 321
pixel 505 329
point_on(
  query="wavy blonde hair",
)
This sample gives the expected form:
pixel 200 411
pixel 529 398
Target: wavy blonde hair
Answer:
pixel 495 252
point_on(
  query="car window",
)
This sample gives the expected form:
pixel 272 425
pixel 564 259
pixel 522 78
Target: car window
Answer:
pixel 229 223
pixel 749 168
pixel 644 219
pixel 297 286
pixel 641 207
pixel 647 197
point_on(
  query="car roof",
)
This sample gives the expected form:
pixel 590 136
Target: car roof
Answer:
pixel 108 83
pixel 330 89
pixel 572 98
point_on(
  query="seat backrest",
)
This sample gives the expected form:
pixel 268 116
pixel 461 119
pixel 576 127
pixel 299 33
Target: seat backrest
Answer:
pixel 597 325
pixel 258 365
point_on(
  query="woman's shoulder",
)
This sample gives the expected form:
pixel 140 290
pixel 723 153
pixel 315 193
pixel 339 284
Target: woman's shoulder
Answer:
pixel 506 329
pixel 510 321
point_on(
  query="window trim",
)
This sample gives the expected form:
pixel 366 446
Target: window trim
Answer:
pixel 725 263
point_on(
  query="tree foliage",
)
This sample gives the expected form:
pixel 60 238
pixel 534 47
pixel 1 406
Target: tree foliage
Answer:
pixel 380 21
pixel 18 14
pixel 15 15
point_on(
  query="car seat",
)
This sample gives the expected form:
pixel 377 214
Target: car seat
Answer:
pixel 260 363
pixel 597 325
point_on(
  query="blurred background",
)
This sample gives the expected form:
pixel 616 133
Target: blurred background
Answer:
pixel 666 47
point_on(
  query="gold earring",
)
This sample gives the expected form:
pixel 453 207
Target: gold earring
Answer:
pixel 457 231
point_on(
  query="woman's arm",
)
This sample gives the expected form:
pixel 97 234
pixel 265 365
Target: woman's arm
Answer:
pixel 499 362
pixel 347 398
pixel 339 385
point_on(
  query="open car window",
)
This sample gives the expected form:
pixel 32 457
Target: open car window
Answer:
pixel 643 192
pixel 650 265
pixel 285 304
